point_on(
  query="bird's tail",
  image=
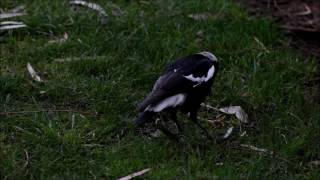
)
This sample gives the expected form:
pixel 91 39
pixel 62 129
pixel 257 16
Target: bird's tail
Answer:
pixel 144 117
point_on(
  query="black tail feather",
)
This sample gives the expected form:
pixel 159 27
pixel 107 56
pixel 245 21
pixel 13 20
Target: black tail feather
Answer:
pixel 144 117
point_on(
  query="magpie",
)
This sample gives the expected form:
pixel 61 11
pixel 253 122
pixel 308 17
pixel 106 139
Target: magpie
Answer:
pixel 183 86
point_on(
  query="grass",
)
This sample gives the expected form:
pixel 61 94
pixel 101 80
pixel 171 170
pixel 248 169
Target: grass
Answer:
pixel 120 60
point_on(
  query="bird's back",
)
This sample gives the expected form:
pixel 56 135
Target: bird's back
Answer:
pixel 176 79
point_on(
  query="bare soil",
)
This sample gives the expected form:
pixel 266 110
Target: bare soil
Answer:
pixel 300 18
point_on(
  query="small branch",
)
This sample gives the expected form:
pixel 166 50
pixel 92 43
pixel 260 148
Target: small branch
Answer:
pixel 306 12
pixel 27 159
pixel 130 176
pixel 296 28
pixel 261 44
pixel 45 110
pixel 209 107
pixel 253 148
pixel 264 151
pixel 11 15
pixel 16 171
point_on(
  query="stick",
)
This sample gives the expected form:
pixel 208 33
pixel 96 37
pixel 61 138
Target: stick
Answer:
pixel 209 107
pixel 253 148
pixel 134 174
pixel 16 171
pixel 44 110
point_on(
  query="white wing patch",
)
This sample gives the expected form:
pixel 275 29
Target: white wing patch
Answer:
pixel 203 78
pixel 171 101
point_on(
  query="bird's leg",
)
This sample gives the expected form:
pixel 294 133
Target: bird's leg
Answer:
pixel 173 116
pixel 165 130
pixel 193 117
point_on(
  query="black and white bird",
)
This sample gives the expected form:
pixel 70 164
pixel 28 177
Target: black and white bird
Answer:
pixel 184 85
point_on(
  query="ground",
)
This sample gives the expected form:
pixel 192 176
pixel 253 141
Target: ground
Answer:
pixel 300 19
pixel 78 123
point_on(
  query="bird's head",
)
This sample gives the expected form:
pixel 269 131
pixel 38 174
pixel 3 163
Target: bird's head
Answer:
pixel 209 55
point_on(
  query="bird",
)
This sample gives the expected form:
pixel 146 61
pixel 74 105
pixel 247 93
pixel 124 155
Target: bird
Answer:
pixel 183 86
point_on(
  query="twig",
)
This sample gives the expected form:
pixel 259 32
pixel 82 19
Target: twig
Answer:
pixel 275 4
pixel 295 28
pixel 11 15
pixel 266 152
pixel 253 148
pixel 306 12
pixel 27 159
pixel 45 110
pixel 93 145
pixel 209 107
pixel 15 172
pixel 135 174
pixel 9 27
pixel 314 163
pixel 69 59
pixel 261 44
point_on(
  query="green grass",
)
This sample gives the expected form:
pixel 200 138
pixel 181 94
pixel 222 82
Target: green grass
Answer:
pixel 120 61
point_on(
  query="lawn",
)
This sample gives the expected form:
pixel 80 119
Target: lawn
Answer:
pixel 106 66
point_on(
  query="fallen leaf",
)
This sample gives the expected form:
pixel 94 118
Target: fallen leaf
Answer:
pixel 237 111
pixel 139 173
pixel 156 133
pixel 33 73
pixel 116 11
pixel 90 5
pixel 199 33
pixel 228 133
pixel 253 148
pixel 243 134
pixel 60 40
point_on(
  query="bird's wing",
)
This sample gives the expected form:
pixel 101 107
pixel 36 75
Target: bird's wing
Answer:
pixel 167 85
pixel 180 77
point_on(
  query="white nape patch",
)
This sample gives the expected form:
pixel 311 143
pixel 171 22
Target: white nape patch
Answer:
pixel 209 55
pixel 172 101
pixel 203 78
pixel 175 70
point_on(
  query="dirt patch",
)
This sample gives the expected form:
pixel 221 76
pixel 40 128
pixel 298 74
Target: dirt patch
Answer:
pixel 300 18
